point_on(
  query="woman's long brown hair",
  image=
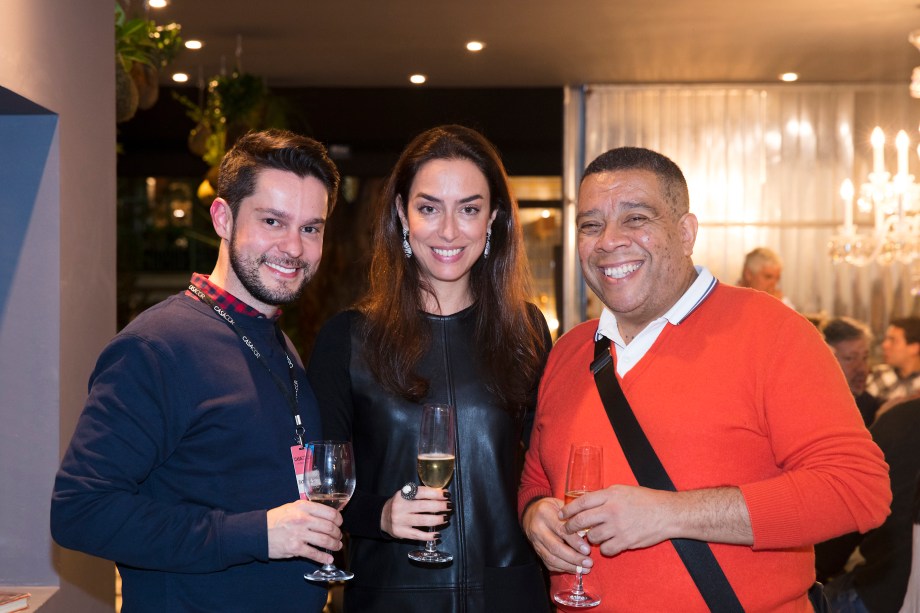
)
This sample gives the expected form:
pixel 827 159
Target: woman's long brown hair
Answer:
pixel 510 341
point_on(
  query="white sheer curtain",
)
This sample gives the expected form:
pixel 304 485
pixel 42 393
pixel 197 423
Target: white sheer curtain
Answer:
pixel 764 165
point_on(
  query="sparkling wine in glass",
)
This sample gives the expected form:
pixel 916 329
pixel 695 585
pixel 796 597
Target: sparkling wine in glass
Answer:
pixel 435 465
pixel 585 474
pixel 329 478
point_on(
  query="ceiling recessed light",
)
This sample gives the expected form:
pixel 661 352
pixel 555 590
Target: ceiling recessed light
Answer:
pixel 180 77
pixel 475 45
pixel 418 79
pixel 156 4
pixel 193 44
pixel 789 77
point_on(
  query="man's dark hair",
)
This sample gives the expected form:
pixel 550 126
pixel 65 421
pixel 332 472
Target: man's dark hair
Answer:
pixel 911 327
pixel 277 149
pixel 842 329
pixel 673 183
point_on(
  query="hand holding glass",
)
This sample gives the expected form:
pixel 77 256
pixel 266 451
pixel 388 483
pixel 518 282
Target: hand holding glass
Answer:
pixel 585 474
pixel 435 465
pixel 329 478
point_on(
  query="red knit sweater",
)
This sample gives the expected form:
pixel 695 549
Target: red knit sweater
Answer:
pixel 743 392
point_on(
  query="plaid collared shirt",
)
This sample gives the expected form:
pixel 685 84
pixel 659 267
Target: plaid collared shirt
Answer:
pixel 885 384
pixel 223 298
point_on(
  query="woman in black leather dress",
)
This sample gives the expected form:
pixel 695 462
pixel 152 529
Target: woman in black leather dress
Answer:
pixel 445 320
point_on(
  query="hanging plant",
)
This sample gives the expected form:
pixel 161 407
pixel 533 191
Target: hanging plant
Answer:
pixel 234 105
pixel 142 48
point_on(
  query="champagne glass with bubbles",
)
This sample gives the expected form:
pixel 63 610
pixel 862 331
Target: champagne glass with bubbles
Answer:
pixel 435 465
pixel 329 478
pixel 585 474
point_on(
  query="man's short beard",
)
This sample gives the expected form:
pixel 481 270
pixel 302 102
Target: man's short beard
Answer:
pixel 247 271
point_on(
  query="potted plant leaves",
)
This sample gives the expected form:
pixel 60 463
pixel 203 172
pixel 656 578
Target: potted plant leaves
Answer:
pixel 142 48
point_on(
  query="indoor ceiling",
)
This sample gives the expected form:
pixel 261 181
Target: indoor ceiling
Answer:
pixel 547 43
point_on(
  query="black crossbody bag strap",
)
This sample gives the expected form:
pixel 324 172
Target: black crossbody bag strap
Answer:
pixel 702 565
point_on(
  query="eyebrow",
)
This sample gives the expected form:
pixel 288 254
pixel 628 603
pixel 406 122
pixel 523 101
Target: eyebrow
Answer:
pixel 629 205
pixel 639 205
pixel 316 221
pixel 466 200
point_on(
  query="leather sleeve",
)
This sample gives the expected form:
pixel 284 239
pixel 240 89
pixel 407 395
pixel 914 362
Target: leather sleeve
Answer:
pixel 329 375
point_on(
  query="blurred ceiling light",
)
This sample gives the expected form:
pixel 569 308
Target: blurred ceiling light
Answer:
pixel 789 77
pixel 418 79
pixel 193 44
pixel 156 4
pixel 180 77
pixel 475 45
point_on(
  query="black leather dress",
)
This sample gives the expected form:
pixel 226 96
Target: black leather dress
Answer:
pixel 494 566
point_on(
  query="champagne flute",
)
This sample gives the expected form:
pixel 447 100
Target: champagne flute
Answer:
pixel 329 478
pixel 435 465
pixel 585 474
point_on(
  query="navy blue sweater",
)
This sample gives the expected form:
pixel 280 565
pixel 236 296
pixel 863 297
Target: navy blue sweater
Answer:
pixel 182 447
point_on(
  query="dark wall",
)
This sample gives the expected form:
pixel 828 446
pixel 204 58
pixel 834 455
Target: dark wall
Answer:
pixel 370 125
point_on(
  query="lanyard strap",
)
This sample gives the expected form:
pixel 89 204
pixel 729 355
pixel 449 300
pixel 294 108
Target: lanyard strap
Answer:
pixel 292 400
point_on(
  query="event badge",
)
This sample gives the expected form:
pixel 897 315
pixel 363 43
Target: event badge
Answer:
pixel 299 457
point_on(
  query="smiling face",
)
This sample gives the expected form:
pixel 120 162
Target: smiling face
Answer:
pixel 276 240
pixel 634 246
pixel 448 213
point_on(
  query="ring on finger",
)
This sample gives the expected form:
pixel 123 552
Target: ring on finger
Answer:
pixel 409 490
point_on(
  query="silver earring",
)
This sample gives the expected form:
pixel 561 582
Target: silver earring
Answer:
pixel 485 252
pixel 407 248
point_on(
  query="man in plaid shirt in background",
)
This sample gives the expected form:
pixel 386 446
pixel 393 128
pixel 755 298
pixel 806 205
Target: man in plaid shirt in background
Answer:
pixel 899 377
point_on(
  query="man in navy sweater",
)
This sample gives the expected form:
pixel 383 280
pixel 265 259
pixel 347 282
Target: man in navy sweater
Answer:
pixel 181 467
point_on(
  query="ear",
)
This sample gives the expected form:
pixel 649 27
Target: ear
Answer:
pixel 914 348
pixel 687 228
pixel 402 215
pixel 491 219
pixel 222 218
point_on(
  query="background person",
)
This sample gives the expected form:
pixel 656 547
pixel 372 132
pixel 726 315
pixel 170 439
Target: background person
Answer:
pixel 445 320
pixel 878 582
pixel 739 396
pixel 186 436
pixel 899 376
pixel 850 341
pixel 762 271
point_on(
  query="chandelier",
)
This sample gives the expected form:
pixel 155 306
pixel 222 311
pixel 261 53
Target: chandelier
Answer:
pixel 893 201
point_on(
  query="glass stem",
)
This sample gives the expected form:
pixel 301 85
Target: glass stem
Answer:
pixel 578 591
pixel 431 546
pixel 331 566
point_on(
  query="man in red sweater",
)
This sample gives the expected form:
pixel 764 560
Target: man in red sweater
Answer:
pixel 741 399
